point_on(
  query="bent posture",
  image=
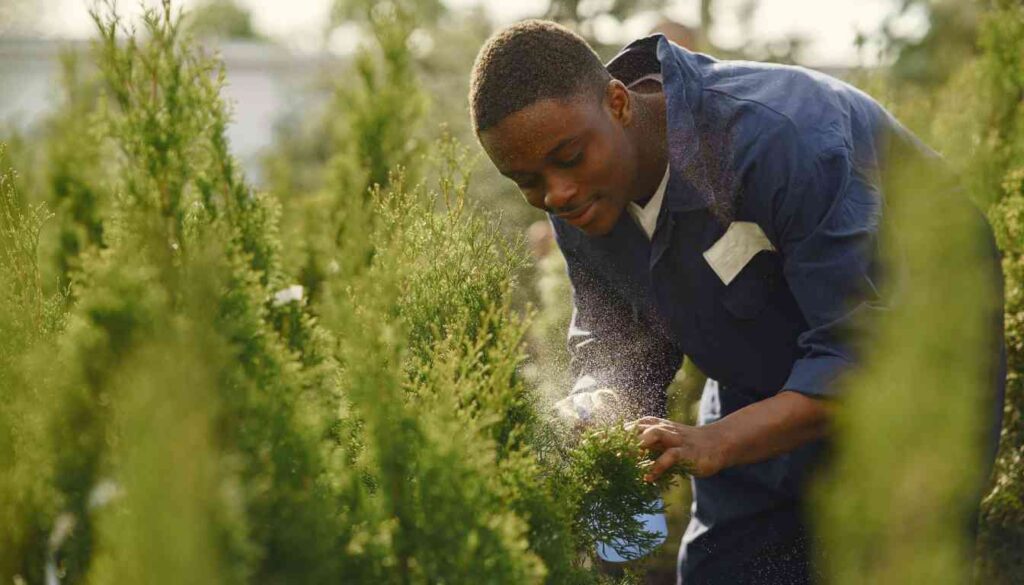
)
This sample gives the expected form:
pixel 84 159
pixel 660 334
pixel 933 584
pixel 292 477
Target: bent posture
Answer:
pixel 725 211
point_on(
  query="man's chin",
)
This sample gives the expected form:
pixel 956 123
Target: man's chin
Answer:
pixel 601 225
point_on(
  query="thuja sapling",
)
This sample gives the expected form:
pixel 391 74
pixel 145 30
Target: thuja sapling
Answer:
pixel 75 177
pixel 457 353
pixel 609 467
pixel 29 319
pixel 181 189
pixel 369 130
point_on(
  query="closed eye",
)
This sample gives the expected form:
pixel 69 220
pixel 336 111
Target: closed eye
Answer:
pixel 565 164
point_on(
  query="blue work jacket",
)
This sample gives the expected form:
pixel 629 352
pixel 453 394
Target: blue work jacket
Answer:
pixel 798 153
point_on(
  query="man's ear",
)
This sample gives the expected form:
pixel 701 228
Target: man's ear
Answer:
pixel 619 102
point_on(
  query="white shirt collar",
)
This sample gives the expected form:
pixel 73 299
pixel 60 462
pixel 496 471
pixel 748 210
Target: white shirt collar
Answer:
pixel 647 216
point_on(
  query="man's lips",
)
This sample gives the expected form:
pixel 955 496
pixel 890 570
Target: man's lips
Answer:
pixel 579 215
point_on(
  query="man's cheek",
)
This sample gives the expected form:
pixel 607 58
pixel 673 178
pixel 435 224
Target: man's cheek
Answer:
pixel 608 182
pixel 533 198
pixel 608 217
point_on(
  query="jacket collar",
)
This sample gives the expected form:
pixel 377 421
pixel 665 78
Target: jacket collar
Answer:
pixel 682 81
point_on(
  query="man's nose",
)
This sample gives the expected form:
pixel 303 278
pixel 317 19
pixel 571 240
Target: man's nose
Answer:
pixel 560 190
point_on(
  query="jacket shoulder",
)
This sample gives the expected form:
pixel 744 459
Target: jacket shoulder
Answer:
pixel 824 110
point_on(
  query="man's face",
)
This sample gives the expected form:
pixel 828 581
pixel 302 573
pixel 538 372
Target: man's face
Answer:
pixel 569 157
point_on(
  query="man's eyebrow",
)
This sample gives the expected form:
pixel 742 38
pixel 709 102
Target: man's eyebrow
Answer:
pixel 564 142
pixel 561 144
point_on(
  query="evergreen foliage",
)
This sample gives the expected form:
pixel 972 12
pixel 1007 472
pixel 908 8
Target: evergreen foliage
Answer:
pixel 223 19
pixel 179 412
pixel 1002 534
pixel 74 151
pixel 29 319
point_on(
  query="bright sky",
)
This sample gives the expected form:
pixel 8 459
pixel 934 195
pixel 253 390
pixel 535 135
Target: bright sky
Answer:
pixel 830 26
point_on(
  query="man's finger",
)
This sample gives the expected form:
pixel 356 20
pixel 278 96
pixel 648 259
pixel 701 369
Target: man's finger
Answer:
pixel 650 420
pixel 638 426
pixel 667 459
pixel 651 437
pixel 643 423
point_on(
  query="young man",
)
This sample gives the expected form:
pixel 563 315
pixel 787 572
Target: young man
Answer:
pixel 729 212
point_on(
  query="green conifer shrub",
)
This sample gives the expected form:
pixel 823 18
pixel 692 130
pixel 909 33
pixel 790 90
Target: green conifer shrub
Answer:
pixel 1002 40
pixel 460 345
pixel 186 415
pixel 28 319
pixel 74 149
pixel 1002 521
pixel 371 126
pixel 179 194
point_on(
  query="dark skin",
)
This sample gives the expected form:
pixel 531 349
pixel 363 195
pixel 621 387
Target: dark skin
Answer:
pixel 567 156
pixel 585 159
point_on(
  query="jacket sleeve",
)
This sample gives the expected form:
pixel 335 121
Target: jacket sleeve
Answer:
pixel 824 216
pixel 611 344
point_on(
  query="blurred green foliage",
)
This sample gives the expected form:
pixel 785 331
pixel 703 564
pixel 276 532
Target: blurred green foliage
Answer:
pixel 1002 40
pixel 221 19
pixel 899 501
pixel 950 39
pixel 904 528
pixel 29 319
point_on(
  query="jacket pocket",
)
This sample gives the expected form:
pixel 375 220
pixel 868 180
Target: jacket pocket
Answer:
pixel 746 296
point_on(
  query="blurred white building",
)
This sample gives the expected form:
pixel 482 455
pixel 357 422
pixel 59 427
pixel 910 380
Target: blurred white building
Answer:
pixel 264 81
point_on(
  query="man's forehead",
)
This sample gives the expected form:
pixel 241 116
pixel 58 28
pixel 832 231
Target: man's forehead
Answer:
pixel 529 134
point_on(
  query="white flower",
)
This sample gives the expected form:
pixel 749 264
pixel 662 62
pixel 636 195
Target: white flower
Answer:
pixel 287 295
pixel 103 493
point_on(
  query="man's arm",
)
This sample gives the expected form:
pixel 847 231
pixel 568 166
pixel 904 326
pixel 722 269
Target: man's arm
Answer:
pixel 610 346
pixel 824 220
pixel 757 432
pixel 772 427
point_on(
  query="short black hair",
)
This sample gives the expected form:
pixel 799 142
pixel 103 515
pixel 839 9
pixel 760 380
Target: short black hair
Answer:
pixel 529 61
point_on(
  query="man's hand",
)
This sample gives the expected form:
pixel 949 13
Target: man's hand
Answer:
pixel 754 433
pixel 585 408
pixel 696 448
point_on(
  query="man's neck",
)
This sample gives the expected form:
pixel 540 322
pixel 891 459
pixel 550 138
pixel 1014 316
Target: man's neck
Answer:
pixel 649 136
